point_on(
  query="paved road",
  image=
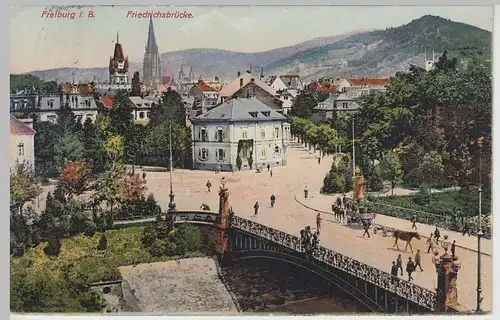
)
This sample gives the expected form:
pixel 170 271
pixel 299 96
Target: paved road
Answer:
pixel 289 216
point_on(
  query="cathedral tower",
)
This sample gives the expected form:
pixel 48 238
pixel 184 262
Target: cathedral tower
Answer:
pixel 151 68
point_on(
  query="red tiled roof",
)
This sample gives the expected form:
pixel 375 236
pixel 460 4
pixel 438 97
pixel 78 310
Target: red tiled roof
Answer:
pixel 107 101
pixel 118 53
pixel 84 88
pixel 369 82
pixel 203 86
pixel 18 127
pixel 323 87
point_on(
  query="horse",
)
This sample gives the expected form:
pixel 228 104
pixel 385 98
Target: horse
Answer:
pixel 405 236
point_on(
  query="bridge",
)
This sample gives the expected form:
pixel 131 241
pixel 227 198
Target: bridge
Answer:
pixel 243 239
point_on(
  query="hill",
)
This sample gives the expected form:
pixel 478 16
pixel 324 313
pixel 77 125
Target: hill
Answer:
pixel 208 62
pixel 384 52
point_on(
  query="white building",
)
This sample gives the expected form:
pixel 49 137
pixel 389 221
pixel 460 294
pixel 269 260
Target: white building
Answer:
pixel 287 99
pixel 240 131
pixel 362 86
pixel 205 97
pixel 289 82
pixel 22 141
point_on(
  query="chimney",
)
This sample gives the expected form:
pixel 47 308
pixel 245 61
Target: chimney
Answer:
pixel 217 79
pixel 253 79
pixel 239 73
pixel 28 122
pixel 241 82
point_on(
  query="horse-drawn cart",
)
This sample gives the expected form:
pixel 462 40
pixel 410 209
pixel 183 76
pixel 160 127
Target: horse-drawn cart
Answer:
pixel 360 216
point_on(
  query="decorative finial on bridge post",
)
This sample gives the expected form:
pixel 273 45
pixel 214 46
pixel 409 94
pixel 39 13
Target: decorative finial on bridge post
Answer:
pixel 447 268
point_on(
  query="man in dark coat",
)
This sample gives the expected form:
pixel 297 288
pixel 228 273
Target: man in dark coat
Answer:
pixel 410 268
pixel 418 261
pixel 273 200
pixel 394 269
pixel 366 226
pixel 306 192
pixel 453 247
pixel 268 167
pixel 256 208
pixel 466 229
pixel 318 222
pixel 399 263
pixel 209 185
pixel 437 234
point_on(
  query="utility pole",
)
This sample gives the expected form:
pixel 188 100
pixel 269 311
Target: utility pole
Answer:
pixel 480 231
pixel 171 204
pixel 353 151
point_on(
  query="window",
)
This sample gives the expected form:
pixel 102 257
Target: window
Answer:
pixel 263 154
pixel 220 135
pixel 52 104
pixel 244 134
pixel 141 115
pixel 253 114
pixel 219 154
pixel 89 116
pixel 345 105
pixel 203 135
pixel 79 118
pixel 277 150
pixel 51 119
pixel 276 132
pixel 20 149
pixel 262 133
pixel 244 153
pixel 203 154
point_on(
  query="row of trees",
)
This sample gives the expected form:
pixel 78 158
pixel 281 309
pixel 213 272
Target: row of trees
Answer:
pixel 421 131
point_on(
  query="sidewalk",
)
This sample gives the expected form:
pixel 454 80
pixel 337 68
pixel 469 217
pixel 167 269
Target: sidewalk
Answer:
pixel 323 203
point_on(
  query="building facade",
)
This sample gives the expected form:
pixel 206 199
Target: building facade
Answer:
pixel 78 97
pixel 151 72
pixel 205 97
pixel 246 86
pixel 336 103
pixel 240 134
pixel 363 86
pixel 22 142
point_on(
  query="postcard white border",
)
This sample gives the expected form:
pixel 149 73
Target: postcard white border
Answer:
pixel 4 303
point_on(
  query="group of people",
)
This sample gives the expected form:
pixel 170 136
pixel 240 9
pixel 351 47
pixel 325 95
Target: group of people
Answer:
pixel 309 241
pixel 411 266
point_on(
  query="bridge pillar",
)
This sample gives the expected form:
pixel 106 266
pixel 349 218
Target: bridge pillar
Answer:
pixel 447 270
pixel 222 235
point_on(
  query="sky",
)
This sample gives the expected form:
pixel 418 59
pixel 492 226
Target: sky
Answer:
pixel 39 43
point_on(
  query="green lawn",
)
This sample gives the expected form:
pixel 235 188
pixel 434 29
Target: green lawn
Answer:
pixel 443 203
pixel 43 284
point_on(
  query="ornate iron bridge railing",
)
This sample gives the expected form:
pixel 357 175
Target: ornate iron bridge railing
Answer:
pixel 381 279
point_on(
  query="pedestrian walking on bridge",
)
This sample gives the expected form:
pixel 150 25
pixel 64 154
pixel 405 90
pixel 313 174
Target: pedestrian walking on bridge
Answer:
pixel 430 243
pixel 453 248
pixel 410 268
pixel 318 221
pixel 418 261
pixel 273 200
pixel 306 192
pixel 399 264
pixel 413 221
pixel 209 185
pixel 466 229
pixel 366 226
pixel 256 208
pixel 437 235
pixel 319 160
pixel 268 167
pixel 271 173
pixel 394 269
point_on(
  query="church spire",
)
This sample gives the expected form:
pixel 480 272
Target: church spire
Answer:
pixel 117 37
pixel 151 43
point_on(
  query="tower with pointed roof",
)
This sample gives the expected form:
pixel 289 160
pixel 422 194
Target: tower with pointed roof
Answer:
pixel 118 67
pixel 191 75
pixel 181 74
pixel 151 66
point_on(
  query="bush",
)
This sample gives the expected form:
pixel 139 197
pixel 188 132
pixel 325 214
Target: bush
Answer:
pixel 189 235
pixel 171 249
pixel 149 236
pixel 53 247
pixel 333 183
pixel 137 208
pixel 103 242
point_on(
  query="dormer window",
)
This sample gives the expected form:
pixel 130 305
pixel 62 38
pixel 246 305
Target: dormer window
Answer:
pixel 253 114
pixel 266 113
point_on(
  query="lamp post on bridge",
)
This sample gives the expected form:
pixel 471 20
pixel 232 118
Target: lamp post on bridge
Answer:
pixel 480 231
pixel 171 204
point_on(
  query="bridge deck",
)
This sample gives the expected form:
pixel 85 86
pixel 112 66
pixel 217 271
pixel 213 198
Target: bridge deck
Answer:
pixel 289 216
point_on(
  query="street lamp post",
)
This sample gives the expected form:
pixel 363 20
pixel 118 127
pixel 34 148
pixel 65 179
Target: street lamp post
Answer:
pixel 353 151
pixel 171 204
pixel 480 231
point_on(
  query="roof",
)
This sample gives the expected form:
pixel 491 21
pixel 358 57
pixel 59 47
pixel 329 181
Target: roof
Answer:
pixel 369 82
pixel 233 86
pixel 17 127
pixel 329 104
pixel 203 86
pixel 323 87
pixel 166 80
pixel 82 88
pixel 118 53
pixel 289 76
pixel 107 101
pixel 241 109
pixel 138 102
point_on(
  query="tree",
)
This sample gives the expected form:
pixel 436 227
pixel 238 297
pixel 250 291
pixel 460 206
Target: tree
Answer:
pixel 103 242
pixel 120 115
pixel 432 168
pixel 134 186
pixel 76 177
pixel 136 85
pixel 23 187
pixel 392 169
pixel 68 148
pixel 45 142
pixel 110 188
pixel 305 103
pixel 135 147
